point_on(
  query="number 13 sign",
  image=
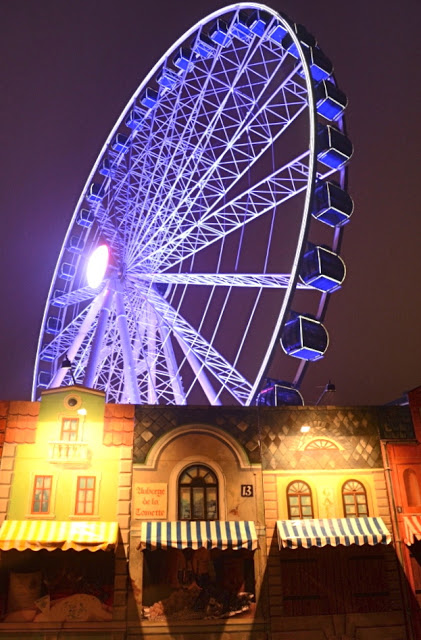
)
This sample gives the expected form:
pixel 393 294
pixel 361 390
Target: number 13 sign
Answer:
pixel 246 490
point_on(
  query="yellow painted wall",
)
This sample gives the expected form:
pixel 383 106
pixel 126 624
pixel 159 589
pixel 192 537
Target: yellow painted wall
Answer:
pixel 33 459
pixel 326 489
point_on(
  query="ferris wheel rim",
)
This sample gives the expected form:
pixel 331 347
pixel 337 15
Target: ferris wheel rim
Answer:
pixel 308 194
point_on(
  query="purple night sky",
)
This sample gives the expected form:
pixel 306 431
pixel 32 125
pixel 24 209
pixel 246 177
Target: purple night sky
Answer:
pixel 69 68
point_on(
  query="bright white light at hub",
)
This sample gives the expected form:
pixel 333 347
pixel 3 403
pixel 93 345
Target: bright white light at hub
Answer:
pixel 97 266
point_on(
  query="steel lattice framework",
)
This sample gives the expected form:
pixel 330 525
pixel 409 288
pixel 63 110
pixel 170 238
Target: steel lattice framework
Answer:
pixel 203 194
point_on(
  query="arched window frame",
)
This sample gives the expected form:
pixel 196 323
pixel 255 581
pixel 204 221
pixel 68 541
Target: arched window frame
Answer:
pixel 304 505
pixel 203 481
pixel 318 444
pixel 412 488
pixel 356 489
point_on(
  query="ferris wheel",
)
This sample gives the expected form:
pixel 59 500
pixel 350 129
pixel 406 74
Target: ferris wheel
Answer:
pixel 205 241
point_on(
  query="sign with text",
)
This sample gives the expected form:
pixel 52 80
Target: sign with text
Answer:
pixel 150 501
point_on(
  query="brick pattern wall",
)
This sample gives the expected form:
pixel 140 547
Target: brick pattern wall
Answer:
pixel 7 464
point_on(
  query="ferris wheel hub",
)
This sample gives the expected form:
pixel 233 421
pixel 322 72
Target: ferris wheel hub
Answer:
pixel 179 231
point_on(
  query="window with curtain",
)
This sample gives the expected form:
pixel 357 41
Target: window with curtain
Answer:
pixel 41 496
pixel 300 504
pixel 69 429
pixel 198 494
pixel 354 498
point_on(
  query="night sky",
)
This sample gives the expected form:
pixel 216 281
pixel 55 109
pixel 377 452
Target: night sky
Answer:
pixel 69 68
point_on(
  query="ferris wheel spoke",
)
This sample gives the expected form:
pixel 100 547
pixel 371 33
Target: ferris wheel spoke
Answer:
pixel 256 280
pixel 186 115
pixel 76 296
pixel 142 324
pixel 113 362
pixel 150 357
pixel 233 150
pixel 98 340
pixel 209 110
pixel 130 378
pixel 214 362
pixel 284 183
pixel 219 135
pixel 172 368
pixel 198 369
pixel 62 341
pixel 155 369
pixel 72 337
pixel 233 147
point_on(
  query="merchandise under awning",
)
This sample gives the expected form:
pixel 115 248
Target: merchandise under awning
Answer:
pixel 412 527
pixel 215 534
pixel 332 531
pixel 50 535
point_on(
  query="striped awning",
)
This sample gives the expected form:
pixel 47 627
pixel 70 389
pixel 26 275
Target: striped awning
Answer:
pixel 412 527
pixel 50 535
pixel 332 531
pixel 216 534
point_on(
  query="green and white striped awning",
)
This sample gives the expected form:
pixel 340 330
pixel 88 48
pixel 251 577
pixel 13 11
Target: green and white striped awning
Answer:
pixel 211 534
pixel 332 531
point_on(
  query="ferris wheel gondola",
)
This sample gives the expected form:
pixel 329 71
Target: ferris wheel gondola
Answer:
pixel 210 224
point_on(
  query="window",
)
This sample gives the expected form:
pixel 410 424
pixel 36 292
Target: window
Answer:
pixel 299 501
pixel 354 499
pixel 69 429
pixel 412 488
pixel 85 495
pixel 198 494
pixel 321 443
pixel 41 496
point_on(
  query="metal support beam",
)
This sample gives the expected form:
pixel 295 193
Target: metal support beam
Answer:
pixel 130 378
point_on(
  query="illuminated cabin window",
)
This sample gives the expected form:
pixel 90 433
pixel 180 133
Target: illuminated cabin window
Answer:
pixel 321 443
pixel 41 496
pixel 198 494
pixel 300 504
pixel 354 499
pixel 69 429
pixel 85 496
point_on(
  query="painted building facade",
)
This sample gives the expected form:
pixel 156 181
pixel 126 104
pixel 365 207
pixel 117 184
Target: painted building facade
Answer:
pixel 65 481
pixel 202 500
pixel 402 460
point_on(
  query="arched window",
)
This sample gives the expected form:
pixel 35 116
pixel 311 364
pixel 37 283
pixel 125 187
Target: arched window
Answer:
pixel 412 488
pixel 354 498
pixel 321 443
pixel 300 504
pixel 198 494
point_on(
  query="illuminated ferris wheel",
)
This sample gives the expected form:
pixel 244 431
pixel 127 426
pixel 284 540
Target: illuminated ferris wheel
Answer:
pixel 207 234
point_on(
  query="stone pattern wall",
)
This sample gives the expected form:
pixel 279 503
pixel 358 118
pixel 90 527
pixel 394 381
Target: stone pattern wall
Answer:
pixel 262 431
pixel 354 430
pixel 395 423
pixel 152 422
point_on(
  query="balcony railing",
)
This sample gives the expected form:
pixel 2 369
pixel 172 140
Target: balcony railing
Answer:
pixel 63 451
